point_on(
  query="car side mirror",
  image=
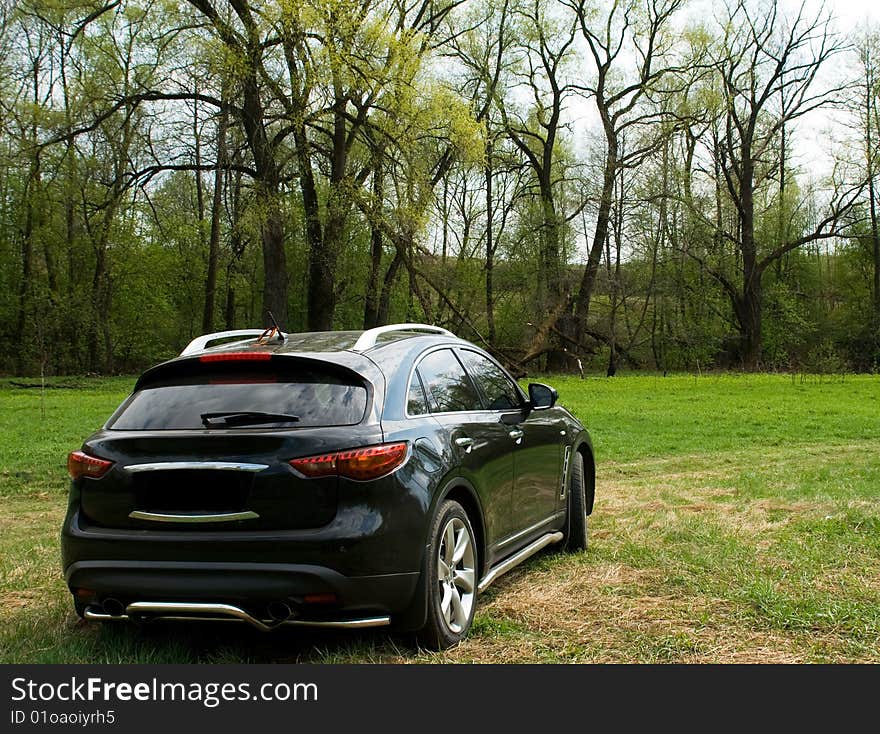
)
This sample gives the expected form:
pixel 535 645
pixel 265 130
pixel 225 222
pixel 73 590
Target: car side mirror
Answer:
pixel 541 396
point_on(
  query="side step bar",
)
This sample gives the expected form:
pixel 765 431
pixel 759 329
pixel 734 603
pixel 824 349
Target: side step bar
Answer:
pixel 203 612
pixel 517 558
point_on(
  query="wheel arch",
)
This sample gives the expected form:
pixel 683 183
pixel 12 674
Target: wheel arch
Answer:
pixel 585 449
pixel 461 491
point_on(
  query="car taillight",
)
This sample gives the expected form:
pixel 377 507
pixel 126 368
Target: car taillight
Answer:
pixel 316 466
pixel 370 462
pixel 80 464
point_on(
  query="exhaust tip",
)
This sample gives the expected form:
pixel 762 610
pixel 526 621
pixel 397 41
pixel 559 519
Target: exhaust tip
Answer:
pixel 279 610
pixel 113 607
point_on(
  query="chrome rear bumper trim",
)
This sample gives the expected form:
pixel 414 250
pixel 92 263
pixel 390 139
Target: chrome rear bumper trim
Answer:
pixel 214 517
pixel 342 623
pixel 211 610
pixel 208 612
pixel 203 465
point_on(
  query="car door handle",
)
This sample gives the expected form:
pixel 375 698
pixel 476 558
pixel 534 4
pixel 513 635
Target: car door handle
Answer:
pixel 465 442
pixel 516 434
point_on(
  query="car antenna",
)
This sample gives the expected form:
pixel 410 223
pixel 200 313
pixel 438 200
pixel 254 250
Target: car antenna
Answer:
pixel 275 324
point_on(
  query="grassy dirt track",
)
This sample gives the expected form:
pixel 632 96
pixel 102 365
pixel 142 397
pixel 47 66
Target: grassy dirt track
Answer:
pixel 737 519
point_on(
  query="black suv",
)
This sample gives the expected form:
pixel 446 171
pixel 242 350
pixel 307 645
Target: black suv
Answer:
pixel 334 479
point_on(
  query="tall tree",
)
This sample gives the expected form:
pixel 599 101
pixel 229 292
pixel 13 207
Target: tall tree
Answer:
pixel 868 86
pixel 216 219
pixel 626 35
pixel 545 44
pixel 483 50
pixel 767 71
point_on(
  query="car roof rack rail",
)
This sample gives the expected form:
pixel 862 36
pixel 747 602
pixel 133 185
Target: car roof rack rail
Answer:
pixel 201 342
pixel 369 338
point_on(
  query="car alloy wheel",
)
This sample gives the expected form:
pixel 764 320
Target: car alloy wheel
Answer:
pixel 449 578
pixel 456 575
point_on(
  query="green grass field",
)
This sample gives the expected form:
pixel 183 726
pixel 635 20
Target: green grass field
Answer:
pixel 737 519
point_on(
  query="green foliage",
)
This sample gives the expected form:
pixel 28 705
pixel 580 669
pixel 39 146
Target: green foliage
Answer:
pixel 104 258
pixel 789 331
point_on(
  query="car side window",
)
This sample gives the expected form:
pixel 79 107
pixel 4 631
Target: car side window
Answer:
pixel 500 392
pixel 447 385
pixel 416 402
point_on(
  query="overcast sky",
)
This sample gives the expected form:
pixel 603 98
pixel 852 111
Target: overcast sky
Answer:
pixel 852 13
pixel 816 135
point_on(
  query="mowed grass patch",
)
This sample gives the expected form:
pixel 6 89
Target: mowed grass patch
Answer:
pixel 38 428
pixel 710 542
pixel 638 416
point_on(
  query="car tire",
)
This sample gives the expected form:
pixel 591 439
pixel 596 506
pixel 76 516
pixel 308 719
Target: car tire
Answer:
pixel 451 578
pixel 576 521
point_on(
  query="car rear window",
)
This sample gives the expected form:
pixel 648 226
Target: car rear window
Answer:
pixel 315 397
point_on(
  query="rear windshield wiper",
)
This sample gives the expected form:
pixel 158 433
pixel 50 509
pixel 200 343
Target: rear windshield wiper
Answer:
pixel 245 417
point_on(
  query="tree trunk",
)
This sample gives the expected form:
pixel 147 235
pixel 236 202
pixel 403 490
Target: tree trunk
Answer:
pixel 274 263
pixel 490 250
pixel 748 310
pixel 875 251
pixel 322 291
pixel 99 277
pixel 444 243
pixel 237 245
pixel 615 282
pixel 25 283
pixel 387 288
pixel 872 206
pixel 751 301
pixel 555 289
pixel 214 238
pixel 200 192
pixel 268 189
pixel 321 297
pixel 32 213
pixel 781 233
pixel 229 311
pixel 600 235
pixel 371 298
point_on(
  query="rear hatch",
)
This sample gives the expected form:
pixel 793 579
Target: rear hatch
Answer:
pixel 205 444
